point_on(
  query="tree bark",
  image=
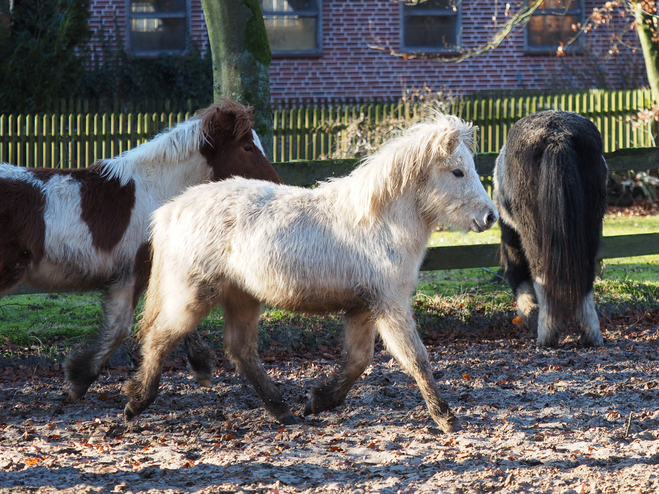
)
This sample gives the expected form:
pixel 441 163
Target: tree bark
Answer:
pixel 647 35
pixel 241 59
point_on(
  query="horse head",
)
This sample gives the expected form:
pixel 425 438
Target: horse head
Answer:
pixel 231 146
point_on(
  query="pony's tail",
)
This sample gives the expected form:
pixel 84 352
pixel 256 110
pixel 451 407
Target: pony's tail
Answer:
pixel 570 222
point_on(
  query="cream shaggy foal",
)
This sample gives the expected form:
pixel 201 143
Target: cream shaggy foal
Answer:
pixel 353 244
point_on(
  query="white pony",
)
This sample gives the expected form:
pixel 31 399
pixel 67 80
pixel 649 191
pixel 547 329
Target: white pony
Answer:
pixel 88 229
pixel 354 244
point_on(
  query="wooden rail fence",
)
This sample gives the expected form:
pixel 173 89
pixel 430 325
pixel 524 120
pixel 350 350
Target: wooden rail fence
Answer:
pixel 306 130
pixel 306 173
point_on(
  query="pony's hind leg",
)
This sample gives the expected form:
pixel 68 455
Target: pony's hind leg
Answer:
pixel 401 337
pixel 588 322
pixel 359 341
pixel 164 326
pixel 200 358
pixel 527 305
pixel 84 366
pixel 241 314
pixel 517 274
pixel 548 324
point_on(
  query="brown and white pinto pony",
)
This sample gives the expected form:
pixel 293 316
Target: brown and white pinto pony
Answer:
pixel 353 244
pixel 88 229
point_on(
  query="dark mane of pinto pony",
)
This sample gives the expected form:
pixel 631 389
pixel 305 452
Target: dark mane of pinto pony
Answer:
pixel 228 117
pixel 570 203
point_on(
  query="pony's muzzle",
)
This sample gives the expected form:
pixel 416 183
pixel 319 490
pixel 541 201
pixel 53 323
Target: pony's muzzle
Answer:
pixel 488 220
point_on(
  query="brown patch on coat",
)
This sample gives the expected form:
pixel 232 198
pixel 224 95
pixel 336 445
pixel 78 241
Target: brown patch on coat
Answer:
pixel 141 271
pixel 106 206
pixel 228 143
pixel 22 229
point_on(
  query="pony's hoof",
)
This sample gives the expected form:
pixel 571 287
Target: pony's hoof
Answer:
pixel 589 340
pixel 129 414
pixel 288 420
pixel 75 396
pixel 314 407
pixel 204 381
pixel 448 423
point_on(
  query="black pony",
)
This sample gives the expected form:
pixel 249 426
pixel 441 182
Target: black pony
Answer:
pixel 550 188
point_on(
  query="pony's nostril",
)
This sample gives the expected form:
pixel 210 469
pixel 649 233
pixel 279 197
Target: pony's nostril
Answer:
pixel 490 218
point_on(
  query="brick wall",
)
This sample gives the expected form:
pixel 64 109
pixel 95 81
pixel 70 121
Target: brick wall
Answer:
pixel 348 68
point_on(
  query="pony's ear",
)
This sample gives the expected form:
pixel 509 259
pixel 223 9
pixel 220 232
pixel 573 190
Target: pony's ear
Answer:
pixel 452 141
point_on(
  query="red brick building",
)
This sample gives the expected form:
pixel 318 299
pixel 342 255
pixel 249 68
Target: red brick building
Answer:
pixel 324 48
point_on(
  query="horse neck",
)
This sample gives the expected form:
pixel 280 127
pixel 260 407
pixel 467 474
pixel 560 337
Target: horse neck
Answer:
pixel 167 165
pixel 376 185
pixel 171 179
pixel 396 211
pixel 405 214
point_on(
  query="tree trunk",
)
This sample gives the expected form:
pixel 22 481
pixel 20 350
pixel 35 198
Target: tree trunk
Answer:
pixel 241 59
pixel 646 32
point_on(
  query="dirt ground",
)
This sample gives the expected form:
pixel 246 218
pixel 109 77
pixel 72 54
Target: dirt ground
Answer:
pixel 566 420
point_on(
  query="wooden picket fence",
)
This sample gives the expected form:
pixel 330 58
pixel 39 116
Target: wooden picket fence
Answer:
pixel 76 141
pixel 301 128
pixel 304 130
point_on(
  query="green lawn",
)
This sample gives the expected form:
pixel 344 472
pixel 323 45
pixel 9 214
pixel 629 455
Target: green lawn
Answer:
pixel 613 225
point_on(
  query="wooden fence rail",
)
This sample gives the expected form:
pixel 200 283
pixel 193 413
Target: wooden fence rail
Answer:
pixel 487 255
pixel 306 173
pixel 308 130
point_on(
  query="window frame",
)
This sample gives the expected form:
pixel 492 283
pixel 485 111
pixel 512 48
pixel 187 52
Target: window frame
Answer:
pixel 158 15
pixel 317 14
pixel 576 47
pixel 457 14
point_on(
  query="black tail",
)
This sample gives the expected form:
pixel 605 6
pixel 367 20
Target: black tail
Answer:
pixel 571 204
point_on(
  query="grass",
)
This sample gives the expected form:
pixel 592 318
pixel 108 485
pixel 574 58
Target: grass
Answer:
pixel 457 297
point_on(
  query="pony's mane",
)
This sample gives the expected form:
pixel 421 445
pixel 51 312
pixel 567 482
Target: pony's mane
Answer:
pixel 176 144
pixel 241 124
pixel 401 162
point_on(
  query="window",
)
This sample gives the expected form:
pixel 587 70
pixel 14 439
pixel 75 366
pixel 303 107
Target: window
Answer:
pixel 293 26
pixel 432 26
pixel 157 26
pixel 553 25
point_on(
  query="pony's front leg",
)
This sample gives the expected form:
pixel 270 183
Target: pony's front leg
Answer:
pixel 398 330
pixel 358 344
pixel 588 322
pixel 241 314
pixel 84 366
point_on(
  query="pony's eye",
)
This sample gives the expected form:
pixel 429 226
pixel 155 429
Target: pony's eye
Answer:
pixel 458 173
pixel 248 148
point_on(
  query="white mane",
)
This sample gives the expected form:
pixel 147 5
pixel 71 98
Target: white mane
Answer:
pixel 169 147
pixel 400 162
